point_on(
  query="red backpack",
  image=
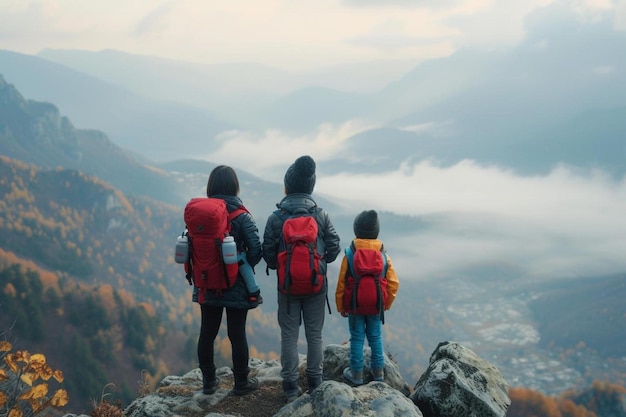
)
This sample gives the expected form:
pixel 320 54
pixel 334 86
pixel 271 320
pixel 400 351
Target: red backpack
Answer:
pixel 365 290
pixel 298 259
pixel 208 222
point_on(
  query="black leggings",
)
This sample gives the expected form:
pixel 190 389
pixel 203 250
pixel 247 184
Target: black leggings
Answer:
pixel 210 326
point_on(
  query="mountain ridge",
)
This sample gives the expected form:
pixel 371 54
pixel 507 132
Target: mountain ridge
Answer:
pixel 36 132
pixel 146 126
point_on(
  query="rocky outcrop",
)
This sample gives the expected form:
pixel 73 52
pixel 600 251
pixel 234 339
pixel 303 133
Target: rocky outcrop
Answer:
pixel 337 357
pixel 334 398
pixel 459 383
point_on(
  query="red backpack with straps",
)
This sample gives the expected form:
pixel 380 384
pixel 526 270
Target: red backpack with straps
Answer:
pixel 208 222
pixel 298 259
pixel 365 290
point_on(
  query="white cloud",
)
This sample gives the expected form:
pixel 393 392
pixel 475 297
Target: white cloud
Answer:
pixel 561 224
pixel 268 155
pixel 469 187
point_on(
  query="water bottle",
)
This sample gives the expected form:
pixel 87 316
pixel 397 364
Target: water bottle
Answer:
pixel 229 250
pixel 229 253
pixel 181 254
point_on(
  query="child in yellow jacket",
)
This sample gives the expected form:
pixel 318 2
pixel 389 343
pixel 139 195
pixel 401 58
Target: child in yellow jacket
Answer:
pixel 366 229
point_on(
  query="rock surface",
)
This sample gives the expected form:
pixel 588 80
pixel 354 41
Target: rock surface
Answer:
pixel 459 383
pixel 334 398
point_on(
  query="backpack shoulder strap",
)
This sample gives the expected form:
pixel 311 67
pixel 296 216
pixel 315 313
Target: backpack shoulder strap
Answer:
pixel 384 274
pixel 234 214
pixel 239 210
pixel 384 255
pixel 350 257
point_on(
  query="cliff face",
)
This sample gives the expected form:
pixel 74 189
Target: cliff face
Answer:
pixel 457 383
pixel 36 133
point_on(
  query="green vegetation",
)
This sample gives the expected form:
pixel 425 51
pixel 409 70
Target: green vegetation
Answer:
pixel 83 276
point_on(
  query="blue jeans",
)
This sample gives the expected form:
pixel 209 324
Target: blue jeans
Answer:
pixel 362 326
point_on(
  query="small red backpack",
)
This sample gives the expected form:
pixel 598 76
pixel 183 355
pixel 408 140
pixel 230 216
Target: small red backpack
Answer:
pixel 365 290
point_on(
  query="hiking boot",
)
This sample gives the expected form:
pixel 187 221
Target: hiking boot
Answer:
pixel 209 381
pixel 291 391
pixel 209 386
pixel 378 374
pixel 313 382
pixel 353 378
pixel 245 387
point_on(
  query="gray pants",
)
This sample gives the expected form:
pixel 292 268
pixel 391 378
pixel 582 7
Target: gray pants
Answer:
pixel 291 313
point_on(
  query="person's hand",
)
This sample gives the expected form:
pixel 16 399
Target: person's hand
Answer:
pixel 344 313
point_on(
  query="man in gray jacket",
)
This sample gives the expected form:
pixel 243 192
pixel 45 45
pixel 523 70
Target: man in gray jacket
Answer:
pixel 294 309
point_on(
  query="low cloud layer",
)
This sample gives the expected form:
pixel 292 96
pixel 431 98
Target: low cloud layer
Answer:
pixel 563 224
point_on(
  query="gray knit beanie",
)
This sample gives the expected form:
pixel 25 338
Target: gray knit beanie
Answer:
pixel 300 176
pixel 366 225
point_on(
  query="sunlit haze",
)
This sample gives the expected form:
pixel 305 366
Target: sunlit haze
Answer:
pixel 292 35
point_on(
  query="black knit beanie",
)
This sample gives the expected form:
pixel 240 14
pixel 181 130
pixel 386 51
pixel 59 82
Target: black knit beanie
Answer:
pixel 300 176
pixel 366 225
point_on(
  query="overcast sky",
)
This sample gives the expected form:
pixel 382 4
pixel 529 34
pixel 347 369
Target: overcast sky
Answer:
pixel 293 34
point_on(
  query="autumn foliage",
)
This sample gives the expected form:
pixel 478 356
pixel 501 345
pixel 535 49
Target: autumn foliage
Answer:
pixel 602 399
pixel 24 383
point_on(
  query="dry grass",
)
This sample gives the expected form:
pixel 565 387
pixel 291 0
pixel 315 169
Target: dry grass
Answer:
pixel 104 408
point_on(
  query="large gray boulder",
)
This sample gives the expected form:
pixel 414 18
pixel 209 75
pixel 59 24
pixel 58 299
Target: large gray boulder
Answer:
pixel 459 383
pixel 334 398
pixel 337 357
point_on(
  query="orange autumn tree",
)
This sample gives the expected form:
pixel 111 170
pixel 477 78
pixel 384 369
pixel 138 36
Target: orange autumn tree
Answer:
pixel 529 403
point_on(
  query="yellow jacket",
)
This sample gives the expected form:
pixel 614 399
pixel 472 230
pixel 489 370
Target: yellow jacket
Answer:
pixel 392 277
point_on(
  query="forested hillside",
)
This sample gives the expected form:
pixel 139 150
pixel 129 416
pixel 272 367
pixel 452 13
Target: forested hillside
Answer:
pixel 96 335
pixel 88 277
pixel 79 280
pixel 600 400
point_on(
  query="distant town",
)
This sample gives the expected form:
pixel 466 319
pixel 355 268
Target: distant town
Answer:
pixel 503 331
